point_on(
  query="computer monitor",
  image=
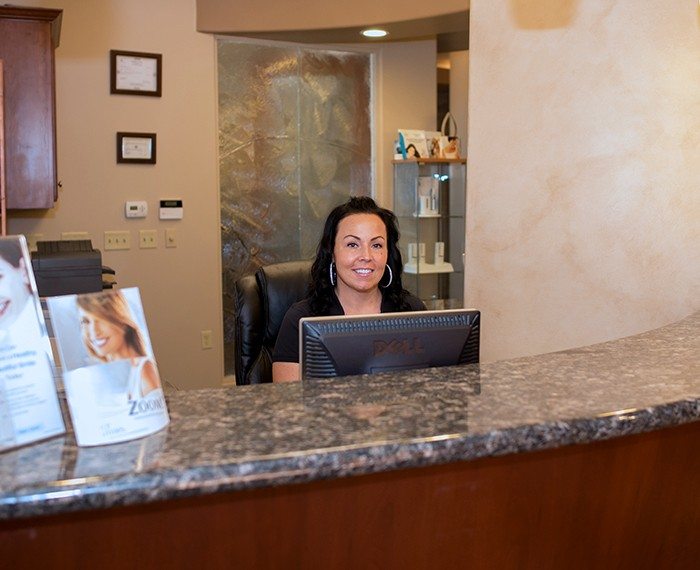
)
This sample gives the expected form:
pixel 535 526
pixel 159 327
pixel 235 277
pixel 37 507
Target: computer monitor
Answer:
pixel 348 345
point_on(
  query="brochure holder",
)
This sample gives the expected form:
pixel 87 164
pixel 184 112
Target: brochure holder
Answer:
pixel 110 375
pixel 29 407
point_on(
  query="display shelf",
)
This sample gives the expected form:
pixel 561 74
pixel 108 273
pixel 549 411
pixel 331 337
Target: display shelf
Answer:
pixel 428 268
pixel 429 160
pixel 429 202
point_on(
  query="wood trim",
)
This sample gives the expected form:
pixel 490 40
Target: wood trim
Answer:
pixel 629 502
pixel 55 18
pixel 3 203
pixel 429 160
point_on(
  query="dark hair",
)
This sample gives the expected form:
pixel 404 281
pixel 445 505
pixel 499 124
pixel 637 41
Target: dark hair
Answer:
pixel 415 150
pixel 321 289
pixel 11 252
pixel 112 306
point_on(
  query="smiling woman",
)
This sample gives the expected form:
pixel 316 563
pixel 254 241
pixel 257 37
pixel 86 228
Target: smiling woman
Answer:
pixel 14 283
pixel 110 333
pixel 357 271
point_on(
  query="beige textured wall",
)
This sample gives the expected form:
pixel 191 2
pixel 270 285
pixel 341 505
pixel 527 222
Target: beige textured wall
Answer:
pixel 459 93
pixel 584 156
pixel 584 161
pixel 180 287
pixel 407 99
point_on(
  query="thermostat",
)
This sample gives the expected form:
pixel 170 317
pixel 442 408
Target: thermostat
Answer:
pixel 136 209
pixel 171 209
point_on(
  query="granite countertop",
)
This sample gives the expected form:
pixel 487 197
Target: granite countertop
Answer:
pixel 253 436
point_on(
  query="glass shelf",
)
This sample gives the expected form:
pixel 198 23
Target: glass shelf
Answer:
pixel 429 201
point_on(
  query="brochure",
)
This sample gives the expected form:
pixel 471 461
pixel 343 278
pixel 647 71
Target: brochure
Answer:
pixel 433 140
pixel 29 408
pixel 413 144
pixel 110 375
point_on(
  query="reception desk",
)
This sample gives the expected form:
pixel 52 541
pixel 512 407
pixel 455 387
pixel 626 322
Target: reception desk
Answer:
pixel 579 458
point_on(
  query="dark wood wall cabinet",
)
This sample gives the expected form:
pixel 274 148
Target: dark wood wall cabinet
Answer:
pixel 28 38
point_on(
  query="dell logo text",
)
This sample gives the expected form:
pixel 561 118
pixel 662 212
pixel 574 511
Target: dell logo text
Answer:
pixel 406 346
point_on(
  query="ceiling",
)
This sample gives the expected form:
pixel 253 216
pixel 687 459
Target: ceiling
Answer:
pixel 450 30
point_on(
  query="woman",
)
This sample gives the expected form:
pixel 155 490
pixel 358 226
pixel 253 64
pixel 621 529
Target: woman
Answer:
pixel 14 285
pixel 357 271
pixel 412 151
pixel 110 334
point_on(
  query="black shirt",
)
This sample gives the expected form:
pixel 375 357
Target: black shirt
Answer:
pixel 287 344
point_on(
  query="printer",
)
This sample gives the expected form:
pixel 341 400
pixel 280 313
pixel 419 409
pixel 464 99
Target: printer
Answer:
pixel 67 267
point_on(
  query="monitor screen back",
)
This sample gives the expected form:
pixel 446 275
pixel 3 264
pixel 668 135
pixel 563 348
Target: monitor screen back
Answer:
pixel 343 346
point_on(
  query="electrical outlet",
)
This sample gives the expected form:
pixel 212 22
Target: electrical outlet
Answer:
pixel 206 340
pixel 148 239
pixel 74 235
pixel 170 238
pixel 117 240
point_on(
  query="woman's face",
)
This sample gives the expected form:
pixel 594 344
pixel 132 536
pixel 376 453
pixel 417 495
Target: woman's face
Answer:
pixel 14 291
pixel 105 338
pixel 360 252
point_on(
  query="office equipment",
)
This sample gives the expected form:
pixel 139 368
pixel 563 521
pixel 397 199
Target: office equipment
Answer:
pixel 171 210
pixel 347 345
pixel 67 267
pixel 136 209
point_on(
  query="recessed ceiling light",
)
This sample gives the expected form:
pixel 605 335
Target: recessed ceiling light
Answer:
pixel 374 33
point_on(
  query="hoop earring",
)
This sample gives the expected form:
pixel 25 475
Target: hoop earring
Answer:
pixel 391 276
pixel 330 273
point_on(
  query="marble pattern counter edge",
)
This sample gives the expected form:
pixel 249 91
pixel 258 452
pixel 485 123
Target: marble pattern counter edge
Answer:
pixel 166 479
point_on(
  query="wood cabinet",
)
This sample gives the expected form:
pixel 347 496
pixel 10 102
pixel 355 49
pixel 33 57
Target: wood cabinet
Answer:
pixel 28 38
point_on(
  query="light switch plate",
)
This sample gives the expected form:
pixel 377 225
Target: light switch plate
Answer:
pixel 170 237
pixel 117 240
pixel 148 239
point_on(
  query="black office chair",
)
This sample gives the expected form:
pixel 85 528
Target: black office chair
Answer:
pixel 260 303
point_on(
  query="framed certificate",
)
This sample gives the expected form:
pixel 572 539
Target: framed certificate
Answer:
pixel 136 148
pixel 135 73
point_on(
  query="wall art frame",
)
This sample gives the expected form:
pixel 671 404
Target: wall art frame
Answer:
pixel 136 73
pixel 136 148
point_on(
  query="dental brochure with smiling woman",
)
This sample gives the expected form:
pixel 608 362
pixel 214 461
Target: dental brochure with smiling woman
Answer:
pixel 112 383
pixel 29 408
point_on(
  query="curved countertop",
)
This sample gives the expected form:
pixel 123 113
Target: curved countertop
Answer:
pixel 254 436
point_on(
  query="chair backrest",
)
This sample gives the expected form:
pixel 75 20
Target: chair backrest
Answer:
pixel 260 303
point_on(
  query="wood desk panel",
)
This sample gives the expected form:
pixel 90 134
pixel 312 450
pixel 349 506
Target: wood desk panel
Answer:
pixel 630 502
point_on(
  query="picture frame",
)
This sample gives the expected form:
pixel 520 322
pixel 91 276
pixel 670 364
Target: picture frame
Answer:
pixel 135 73
pixel 136 148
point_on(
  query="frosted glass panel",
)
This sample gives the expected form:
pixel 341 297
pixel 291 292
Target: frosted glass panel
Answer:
pixel 294 141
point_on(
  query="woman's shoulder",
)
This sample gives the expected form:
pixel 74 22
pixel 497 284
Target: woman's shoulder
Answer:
pixel 303 308
pixel 299 309
pixel 149 374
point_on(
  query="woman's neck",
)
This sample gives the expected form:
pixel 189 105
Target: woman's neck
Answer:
pixel 125 353
pixel 359 303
